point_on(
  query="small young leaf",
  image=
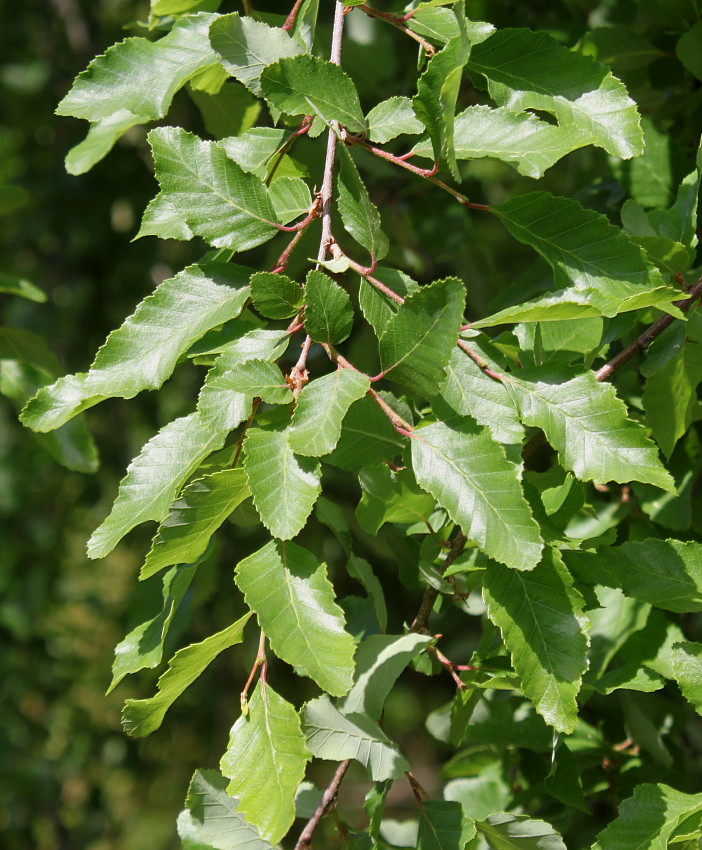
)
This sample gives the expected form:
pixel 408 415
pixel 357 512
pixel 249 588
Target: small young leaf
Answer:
pixel 687 669
pixel 391 118
pixel 307 85
pixel 540 615
pixel 246 47
pixel 505 831
pixel 211 818
pixel 143 716
pixel 253 150
pixel 391 497
pixel 321 408
pixel 154 477
pixel 290 197
pixel 260 379
pixel 267 744
pixel 335 736
pixel 444 826
pixel 284 486
pixel 358 213
pixel 418 340
pixel 193 518
pixel 469 475
pixel 294 601
pixel 328 310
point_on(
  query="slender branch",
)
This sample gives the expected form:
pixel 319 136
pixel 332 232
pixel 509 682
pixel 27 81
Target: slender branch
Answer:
pixel 463 345
pixel 399 23
pixel 299 375
pixel 642 342
pixel 285 147
pixel 292 17
pixel 259 662
pixel 240 441
pixel 313 213
pixel 398 422
pixel 379 285
pixel 421 620
pixel 326 803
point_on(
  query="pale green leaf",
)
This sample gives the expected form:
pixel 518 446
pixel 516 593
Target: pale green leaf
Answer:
pixel 246 47
pixel 506 831
pixel 259 379
pixel 307 85
pixel 529 144
pixel 162 218
pixel 290 197
pixel 378 308
pixel 100 140
pixel 529 70
pixel 143 716
pixel 470 392
pixel 540 616
pixel 665 573
pixel 284 486
pixel 587 424
pixel 596 267
pixel 154 477
pixel 55 404
pixel 14 285
pixel 443 825
pixel 687 669
pixel 334 736
pixel 417 342
pixel 328 310
pixel 391 118
pixel 192 519
pixel 134 82
pixel 359 214
pixel 435 101
pixel 254 150
pixel 219 201
pixel 276 296
pixel 469 475
pixel 648 818
pixel 294 602
pixel 143 646
pixel 211 820
pixel 265 761
pixel 321 408
pixel 380 659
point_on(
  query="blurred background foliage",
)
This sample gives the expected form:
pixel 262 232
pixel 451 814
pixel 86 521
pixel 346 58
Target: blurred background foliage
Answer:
pixel 69 778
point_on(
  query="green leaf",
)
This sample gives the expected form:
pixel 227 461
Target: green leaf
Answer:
pixel 358 213
pixel 55 404
pixel 670 396
pixel 192 519
pixel 586 423
pixel 210 192
pixel 290 197
pixel 161 218
pixel 275 296
pixel 689 48
pixel 246 47
pixel 362 571
pixel 598 271
pixel 390 496
pixel 141 717
pixel 687 669
pixel 143 646
pixel 14 285
pixel 470 392
pixel 321 408
pixel 531 145
pixel 211 818
pixel 28 348
pixel 666 573
pixel 435 101
pixel 334 736
pixel 444 826
pixel 648 818
pixel 391 118
pixel 417 342
pixel 469 475
pixel 528 70
pixel 328 310
pixel 229 112
pixel 307 85
pixel 284 486
pixel 380 659
pixel 154 477
pixel 260 379
pixel 133 82
pixel 367 437
pixel 265 761
pixel 254 150
pixel 505 831
pixel 540 616
pixel 294 601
